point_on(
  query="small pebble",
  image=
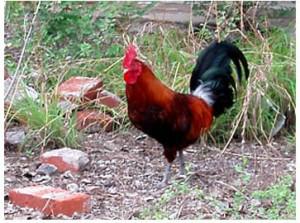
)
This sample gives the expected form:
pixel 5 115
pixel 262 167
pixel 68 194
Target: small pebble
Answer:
pixel 41 179
pixel 149 198
pixel 9 180
pixel 73 187
pixel 112 190
pixel 141 137
pixel 68 175
pixel 93 189
pixel 255 202
pixel 86 181
pixel 173 215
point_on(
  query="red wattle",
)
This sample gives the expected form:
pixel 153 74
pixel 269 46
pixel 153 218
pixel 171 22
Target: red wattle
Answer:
pixel 130 77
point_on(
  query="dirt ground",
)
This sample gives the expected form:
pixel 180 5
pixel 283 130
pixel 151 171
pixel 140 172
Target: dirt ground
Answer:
pixel 126 167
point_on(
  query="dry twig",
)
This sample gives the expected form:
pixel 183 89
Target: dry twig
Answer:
pixel 16 74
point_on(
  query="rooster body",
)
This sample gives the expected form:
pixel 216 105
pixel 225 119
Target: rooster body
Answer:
pixel 177 120
pixel 173 119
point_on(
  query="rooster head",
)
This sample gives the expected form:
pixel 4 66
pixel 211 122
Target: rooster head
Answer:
pixel 131 65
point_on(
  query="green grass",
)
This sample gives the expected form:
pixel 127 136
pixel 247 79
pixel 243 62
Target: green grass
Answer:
pixel 67 42
pixel 277 201
pixel 159 210
pixel 281 199
pixel 271 85
pixel 48 123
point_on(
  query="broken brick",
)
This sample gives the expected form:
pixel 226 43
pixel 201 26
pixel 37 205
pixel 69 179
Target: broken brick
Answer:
pixel 109 99
pixel 50 200
pixel 80 88
pixel 66 159
pixel 93 121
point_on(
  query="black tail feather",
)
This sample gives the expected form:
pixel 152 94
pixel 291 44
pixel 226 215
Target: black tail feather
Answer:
pixel 213 69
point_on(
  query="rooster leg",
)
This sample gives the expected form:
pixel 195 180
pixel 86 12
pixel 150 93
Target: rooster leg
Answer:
pixel 181 163
pixel 166 177
pixel 170 154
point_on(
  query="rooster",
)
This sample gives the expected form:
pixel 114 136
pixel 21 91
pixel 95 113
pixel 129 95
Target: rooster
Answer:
pixel 174 119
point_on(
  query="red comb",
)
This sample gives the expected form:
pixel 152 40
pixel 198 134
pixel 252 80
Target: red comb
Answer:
pixel 129 56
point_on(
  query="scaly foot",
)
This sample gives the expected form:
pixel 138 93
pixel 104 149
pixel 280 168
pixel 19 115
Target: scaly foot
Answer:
pixel 166 177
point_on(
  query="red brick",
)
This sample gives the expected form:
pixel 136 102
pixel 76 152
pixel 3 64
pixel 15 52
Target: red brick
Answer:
pixel 50 200
pixel 92 121
pixel 80 88
pixel 66 159
pixel 109 99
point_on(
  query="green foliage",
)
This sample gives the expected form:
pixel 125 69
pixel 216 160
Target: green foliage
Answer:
pixel 68 25
pixel 281 198
pixel 275 202
pixel 244 174
pixel 158 211
pixel 272 87
pixel 67 41
pixel 94 26
pixel 46 119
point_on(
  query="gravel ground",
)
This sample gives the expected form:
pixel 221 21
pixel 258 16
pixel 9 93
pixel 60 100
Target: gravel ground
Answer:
pixel 126 167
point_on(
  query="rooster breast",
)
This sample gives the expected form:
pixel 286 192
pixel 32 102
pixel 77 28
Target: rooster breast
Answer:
pixel 175 123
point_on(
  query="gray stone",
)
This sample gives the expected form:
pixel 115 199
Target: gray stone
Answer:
pixel 46 169
pixel 15 136
pixel 17 92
